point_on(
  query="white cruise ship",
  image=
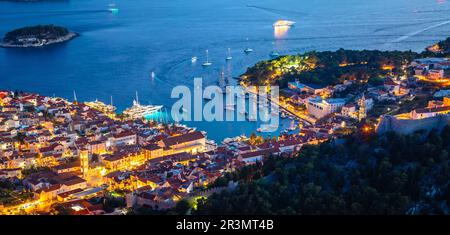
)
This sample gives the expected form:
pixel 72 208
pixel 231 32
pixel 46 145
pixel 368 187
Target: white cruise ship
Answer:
pixel 138 111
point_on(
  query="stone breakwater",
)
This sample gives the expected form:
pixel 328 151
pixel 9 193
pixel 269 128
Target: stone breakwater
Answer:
pixel 42 43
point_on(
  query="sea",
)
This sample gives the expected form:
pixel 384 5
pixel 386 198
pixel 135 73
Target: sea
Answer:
pixel 116 52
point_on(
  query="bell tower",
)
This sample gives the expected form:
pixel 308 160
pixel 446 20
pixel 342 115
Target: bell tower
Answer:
pixel 362 112
pixel 84 162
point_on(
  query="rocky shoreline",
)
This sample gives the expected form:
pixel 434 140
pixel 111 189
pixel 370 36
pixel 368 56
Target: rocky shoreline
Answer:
pixel 41 43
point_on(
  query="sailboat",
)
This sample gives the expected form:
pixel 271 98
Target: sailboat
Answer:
pixel 248 49
pixel 229 57
pixel 222 82
pixel 207 63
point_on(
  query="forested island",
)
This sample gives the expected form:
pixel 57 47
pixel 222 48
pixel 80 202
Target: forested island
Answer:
pixel 37 36
pixel 359 174
pixel 333 67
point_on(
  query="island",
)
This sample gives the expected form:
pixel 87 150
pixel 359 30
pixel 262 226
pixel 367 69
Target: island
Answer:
pixel 37 36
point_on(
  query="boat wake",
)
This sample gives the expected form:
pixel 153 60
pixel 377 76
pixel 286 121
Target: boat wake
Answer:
pixel 277 11
pixel 402 38
pixel 396 26
pixel 56 13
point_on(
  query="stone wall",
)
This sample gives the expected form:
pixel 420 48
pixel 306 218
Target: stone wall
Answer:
pixel 408 126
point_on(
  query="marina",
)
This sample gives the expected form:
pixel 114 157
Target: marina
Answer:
pixel 175 49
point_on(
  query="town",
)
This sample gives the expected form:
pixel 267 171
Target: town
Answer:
pixel 68 157
pixel 79 158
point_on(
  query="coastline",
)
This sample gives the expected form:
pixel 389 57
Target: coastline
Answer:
pixel 68 37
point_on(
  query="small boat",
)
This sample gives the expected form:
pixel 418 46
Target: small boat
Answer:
pixel 274 54
pixel 152 75
pixel 251 118
pixel 112 8
pixel 229 57
pixel 229 107
pixel 243 112
pixel 207 63
pixel 248 50
pixel 264 129
pixel 194 59
pixel 292 127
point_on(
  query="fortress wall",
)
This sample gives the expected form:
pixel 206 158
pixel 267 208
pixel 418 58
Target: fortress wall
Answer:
pixel 408 126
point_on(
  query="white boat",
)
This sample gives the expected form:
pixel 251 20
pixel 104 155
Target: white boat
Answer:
pixel 292 127
pixel 112 8
pixel 251 118
pixel 101 106
pixel 207 63
pixel 230 107
pixel 274 54
pixel 229 57
pixel 138 111
pixel 283 23
pixel 152 75
pixel 264 129
pixel 248 49
pixel 194 59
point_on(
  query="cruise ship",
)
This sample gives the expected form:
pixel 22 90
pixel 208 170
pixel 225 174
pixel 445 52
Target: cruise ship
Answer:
pixel 283 23
pixel 138 111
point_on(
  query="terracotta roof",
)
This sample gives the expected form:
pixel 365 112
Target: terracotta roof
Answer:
pixel 192 136
pixel 124 134
pixel 262 152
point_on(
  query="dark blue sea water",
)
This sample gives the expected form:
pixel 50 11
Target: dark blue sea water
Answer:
pixel 116 53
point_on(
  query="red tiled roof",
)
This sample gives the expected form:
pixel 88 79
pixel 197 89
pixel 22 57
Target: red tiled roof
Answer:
pixel 192 136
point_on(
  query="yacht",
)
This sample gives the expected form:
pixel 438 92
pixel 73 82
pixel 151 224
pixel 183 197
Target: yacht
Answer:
pixel 138 111
pixel 194 59
pixel 207 63
pixel 283 23
pixel 152 75
pixel 106 108
pixel 229 57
